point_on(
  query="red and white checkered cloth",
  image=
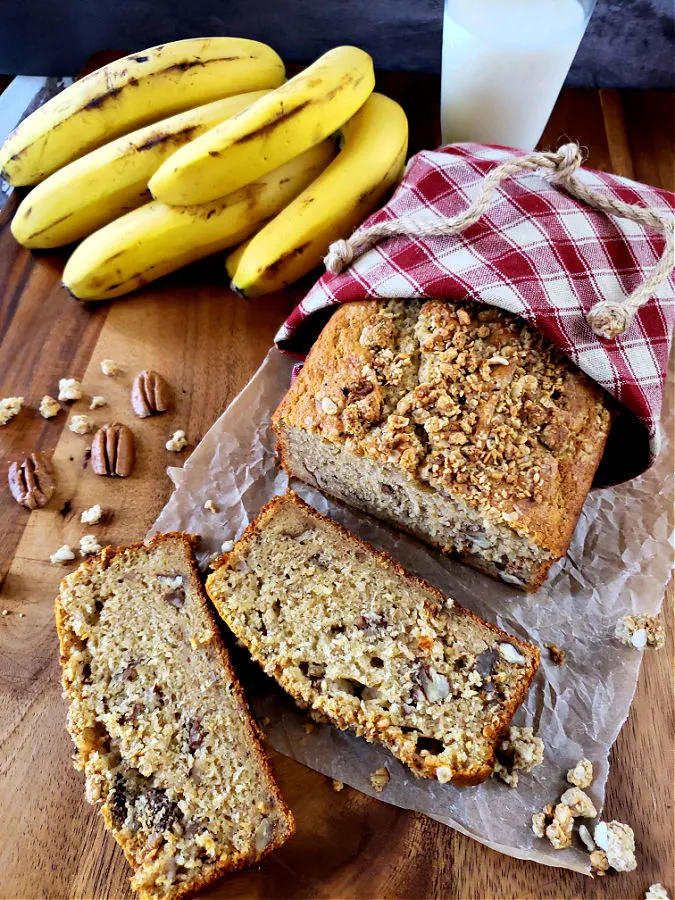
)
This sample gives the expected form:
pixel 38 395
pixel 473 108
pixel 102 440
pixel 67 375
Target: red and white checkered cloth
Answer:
pixel 537 252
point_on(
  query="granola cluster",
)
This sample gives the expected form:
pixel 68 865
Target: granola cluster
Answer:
pixel 641 631
pixel 468 399
pixel 520 751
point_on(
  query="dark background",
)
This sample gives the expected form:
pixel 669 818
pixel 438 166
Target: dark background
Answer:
pixel 629 43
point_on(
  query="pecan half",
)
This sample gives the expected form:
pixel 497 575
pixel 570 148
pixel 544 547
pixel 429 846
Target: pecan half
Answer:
pixel 112 451
pixel 31 481
pixel 149 394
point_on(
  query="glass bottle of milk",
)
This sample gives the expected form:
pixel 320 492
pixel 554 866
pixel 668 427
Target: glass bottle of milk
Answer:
pixel 504 62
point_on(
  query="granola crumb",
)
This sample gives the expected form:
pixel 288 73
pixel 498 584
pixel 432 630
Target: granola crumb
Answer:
pixel 89 545
pixel 62 556
pixel 338 786
pixel 581 775
pixel 540 820
pixel 48 407
pixel 81 424
pixel 97 402
pixel 9 407
pixel 443 774
pixel 618 842
pixel 109 367
pixel 559 832
pixel 265 721
pixel 22 615
pixel 211 506
pixel 69 389
pixel 641 631
pixel 379 779
pixel 5 612
pixel 92 516
pixel 556 653
pixel 177 442
pixel 656 892
pixel 521 750
pixel 599 863
pixel 579 803
pixel 309 727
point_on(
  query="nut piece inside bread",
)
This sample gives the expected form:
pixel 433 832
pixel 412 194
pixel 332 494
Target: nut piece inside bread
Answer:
pixel 456 422
pixel 160 724
pixel 347 632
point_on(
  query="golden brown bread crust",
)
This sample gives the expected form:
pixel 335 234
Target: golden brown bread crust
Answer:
pixel 409 383
pixel 84 747
pixel 471 775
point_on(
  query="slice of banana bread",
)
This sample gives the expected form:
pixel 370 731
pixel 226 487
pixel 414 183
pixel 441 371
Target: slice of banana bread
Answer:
pixel 457 422
pixel 349 633
pixel 160 723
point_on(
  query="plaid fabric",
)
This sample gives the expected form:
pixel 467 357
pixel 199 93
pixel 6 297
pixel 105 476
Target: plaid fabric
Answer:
pixel 537 252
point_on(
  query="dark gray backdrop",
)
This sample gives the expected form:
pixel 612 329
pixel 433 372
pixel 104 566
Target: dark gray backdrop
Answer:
pixel 629 43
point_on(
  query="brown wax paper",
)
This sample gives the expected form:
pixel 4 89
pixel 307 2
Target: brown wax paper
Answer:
pixel 619 562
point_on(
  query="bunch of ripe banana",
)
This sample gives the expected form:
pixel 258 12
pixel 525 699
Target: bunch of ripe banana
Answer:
pixel 190 148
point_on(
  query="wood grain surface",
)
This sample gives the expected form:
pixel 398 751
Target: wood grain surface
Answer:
pixel 207 343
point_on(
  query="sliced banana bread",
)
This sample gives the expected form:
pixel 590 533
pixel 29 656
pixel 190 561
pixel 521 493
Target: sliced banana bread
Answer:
pixel 160 723
pixel 349 633
pixel 457 422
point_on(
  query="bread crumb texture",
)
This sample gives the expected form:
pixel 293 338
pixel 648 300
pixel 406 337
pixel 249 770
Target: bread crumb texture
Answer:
pixel 160 725
pixel 354 637
pixel 398 397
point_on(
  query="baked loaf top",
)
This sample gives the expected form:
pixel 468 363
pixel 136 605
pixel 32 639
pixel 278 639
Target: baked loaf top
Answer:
pixel 465 398
pixel 349 633
pixel 160 724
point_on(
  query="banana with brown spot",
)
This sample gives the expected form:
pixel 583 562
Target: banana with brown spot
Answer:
pixel 299 114
pixel 375 142
pixel 156 239
pixel 131 92
pixel 112 180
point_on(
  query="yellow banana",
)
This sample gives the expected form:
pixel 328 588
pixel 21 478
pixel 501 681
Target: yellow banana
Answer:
pixel 372 158
pixel 132 92
pixel 108 182
pixel 297 115
pixel 156 239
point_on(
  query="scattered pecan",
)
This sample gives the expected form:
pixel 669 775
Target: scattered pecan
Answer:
pixel 112 451
pixel 149 394
pixel 31 481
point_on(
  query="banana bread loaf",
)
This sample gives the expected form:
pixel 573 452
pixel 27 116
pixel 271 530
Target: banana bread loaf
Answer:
pixel 456 422
pixel 347 632
pixel 160 724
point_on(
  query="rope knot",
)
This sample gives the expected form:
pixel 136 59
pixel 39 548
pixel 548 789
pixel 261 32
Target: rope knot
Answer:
pixel 567 160
pixel 340 255
pixel 609 320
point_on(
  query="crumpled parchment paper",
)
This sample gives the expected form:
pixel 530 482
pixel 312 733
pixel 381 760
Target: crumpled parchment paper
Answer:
pixel 619 562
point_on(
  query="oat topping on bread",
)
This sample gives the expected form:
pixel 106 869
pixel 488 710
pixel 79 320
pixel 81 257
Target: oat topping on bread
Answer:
pixel 351 635
pixel 458 422
pixel 160 724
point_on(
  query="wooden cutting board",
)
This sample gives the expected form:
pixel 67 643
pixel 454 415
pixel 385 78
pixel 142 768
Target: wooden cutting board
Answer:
pixel 208 343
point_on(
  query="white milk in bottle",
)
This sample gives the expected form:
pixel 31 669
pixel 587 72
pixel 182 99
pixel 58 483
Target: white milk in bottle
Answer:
pixel 504 62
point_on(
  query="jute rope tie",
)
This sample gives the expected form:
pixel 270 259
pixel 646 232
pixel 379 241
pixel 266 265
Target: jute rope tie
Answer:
pixel 607 318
